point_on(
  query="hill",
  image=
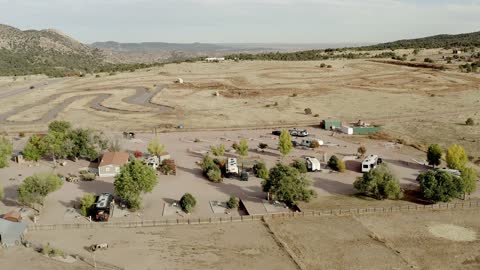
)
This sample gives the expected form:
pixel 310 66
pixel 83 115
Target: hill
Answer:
pixel 44 51
pixel 438 41
pixel 161 47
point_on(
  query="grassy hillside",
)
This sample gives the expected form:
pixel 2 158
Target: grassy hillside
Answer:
pixel 439 41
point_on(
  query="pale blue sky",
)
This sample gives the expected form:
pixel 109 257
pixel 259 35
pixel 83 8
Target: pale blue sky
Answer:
pixel 244 21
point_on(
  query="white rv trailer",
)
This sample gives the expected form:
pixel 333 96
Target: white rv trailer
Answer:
pixel 313 164
pixel 232 166
pixel 369 163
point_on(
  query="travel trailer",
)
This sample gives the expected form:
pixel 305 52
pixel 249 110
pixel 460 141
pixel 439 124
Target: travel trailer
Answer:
pixel 232 166
pixel 313 164
pixel 370 163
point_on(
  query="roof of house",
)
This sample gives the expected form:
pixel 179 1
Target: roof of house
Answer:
pixel 13 216
pixel 114 158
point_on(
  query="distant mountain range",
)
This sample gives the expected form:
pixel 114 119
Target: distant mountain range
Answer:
pixel 56 54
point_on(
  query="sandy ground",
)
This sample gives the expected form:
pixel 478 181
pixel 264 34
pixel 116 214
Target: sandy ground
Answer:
pixel 333 189
pixel 394 241
pixel 24 259
pixel 419 105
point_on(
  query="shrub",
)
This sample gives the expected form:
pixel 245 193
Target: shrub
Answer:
pixel 308 111
pixel 211 169
pixel 336 164
pixel 314 144
pixel 379 183
pixel 428 60
pixel 2 192
pixel 470 122
pixel 235 146
pixel 21 134
pixel 188 202
pixel 232 203
pixel 261 170
pixel 87 176
pixel 322 65
pixel 138 154
pixel 218 151
pixel 262 146
pixel 294 94
pixel 456 157
pixel 329 66
pixel 86 204
pixel 300 165
pixel 168 167
pixel 215 175
pixel 434 155
pixel 362 150
pixel 316 115
pixel 6 150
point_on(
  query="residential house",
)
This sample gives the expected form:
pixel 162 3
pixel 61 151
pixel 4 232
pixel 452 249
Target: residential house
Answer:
pixel 111 162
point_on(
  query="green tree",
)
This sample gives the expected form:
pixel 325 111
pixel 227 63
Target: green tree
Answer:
pixel 188 202
pixel 59 126
pixel 300 165
pixel 261 170
pixel 336 164
pixel 379 183
pixel 84 143
pixel 242 148
pixel 232 203
pixel 6 150
pixel 285 143
pixel 134 179
pixel 53 145
pixel 469 178
pixel 211 169
pixel 456 157
pixel 434 155
pixel 440 186
pixel 35 188
pixel 2 192
pixel 218 151
pixel 288 184
pixel 87 202
pixel 155 147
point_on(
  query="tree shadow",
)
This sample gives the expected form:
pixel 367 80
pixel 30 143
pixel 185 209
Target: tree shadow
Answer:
pixel 96 187
pixel 353 165
pixel 333 187
pixel 406 164
pixel 170 201
pixel 10 198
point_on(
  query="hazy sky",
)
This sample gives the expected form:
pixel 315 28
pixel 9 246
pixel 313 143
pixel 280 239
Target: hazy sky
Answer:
pixel 244 21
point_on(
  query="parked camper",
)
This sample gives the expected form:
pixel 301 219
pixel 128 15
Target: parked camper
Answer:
pixel 153 161
pixel 232 166
pixel 307 142
pixel 370 163
pixel 103 207
pixel 313 164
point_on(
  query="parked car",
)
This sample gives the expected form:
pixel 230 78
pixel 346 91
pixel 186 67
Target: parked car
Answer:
pixel 276 132
pixel 244 176
pixel 298 133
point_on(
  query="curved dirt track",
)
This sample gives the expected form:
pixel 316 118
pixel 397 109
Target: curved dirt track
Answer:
pixel 142 97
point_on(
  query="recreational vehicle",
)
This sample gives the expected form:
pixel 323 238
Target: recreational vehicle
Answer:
pixel 103 207
pixel 232 166
pixel 370 163
pixel 313 164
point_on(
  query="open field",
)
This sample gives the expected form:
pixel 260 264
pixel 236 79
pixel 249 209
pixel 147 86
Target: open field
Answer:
pixel 419 105
pixel 425 240
pixel 429 240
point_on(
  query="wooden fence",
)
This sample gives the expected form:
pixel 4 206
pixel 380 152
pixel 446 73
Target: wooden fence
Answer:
pixel 220 220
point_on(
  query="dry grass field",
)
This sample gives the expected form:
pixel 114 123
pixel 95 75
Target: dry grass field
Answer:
pixel 424 240
pixel 419 105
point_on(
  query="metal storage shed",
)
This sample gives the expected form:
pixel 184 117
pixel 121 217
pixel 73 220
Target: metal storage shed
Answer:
pixel 11 233
pixel 329 123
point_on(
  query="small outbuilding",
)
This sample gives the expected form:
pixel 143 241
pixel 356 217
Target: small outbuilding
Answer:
pixel 12 216
pixel 330 124
pixel 11 233
pixel 111 162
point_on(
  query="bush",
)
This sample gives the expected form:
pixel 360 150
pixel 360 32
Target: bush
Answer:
pixel 168 167
pixel 2 192
pixel 456 157
pixel 86 204
pixel 379 183
pixel 362 150
pixel 314 144
pixel 21 134
pixel 262 146
pixel 215 175
pixel 218 151
pixel 322 65
pixel 232 203
pixel 308 111
pixel 88 176
pixel 428 60
pixel 336 164
pixel 261 170
pixel 300 165
pixel 235 146
pixel 211 169
pixel 188 202
pixel 434 155
pixel 470 122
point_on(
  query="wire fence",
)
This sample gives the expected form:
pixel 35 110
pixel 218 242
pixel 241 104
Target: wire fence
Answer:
pixel 249 218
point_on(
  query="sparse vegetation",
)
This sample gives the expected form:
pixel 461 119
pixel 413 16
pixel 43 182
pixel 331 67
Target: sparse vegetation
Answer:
pixel 362 150
pixel 86 204
pixel 285 143
pixel 6 149
pixel 155 147
pixel 168 167
pixel 300 165
pixel 470 122
pixel 232 203
pixel 308 111
pixel 218 151
pixel 210 169
pixel 261 170
pixel 336 164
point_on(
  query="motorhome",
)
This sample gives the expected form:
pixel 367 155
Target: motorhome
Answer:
pixel 313 164
pixel 370 163
pixel 232 166
pixel 307 142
